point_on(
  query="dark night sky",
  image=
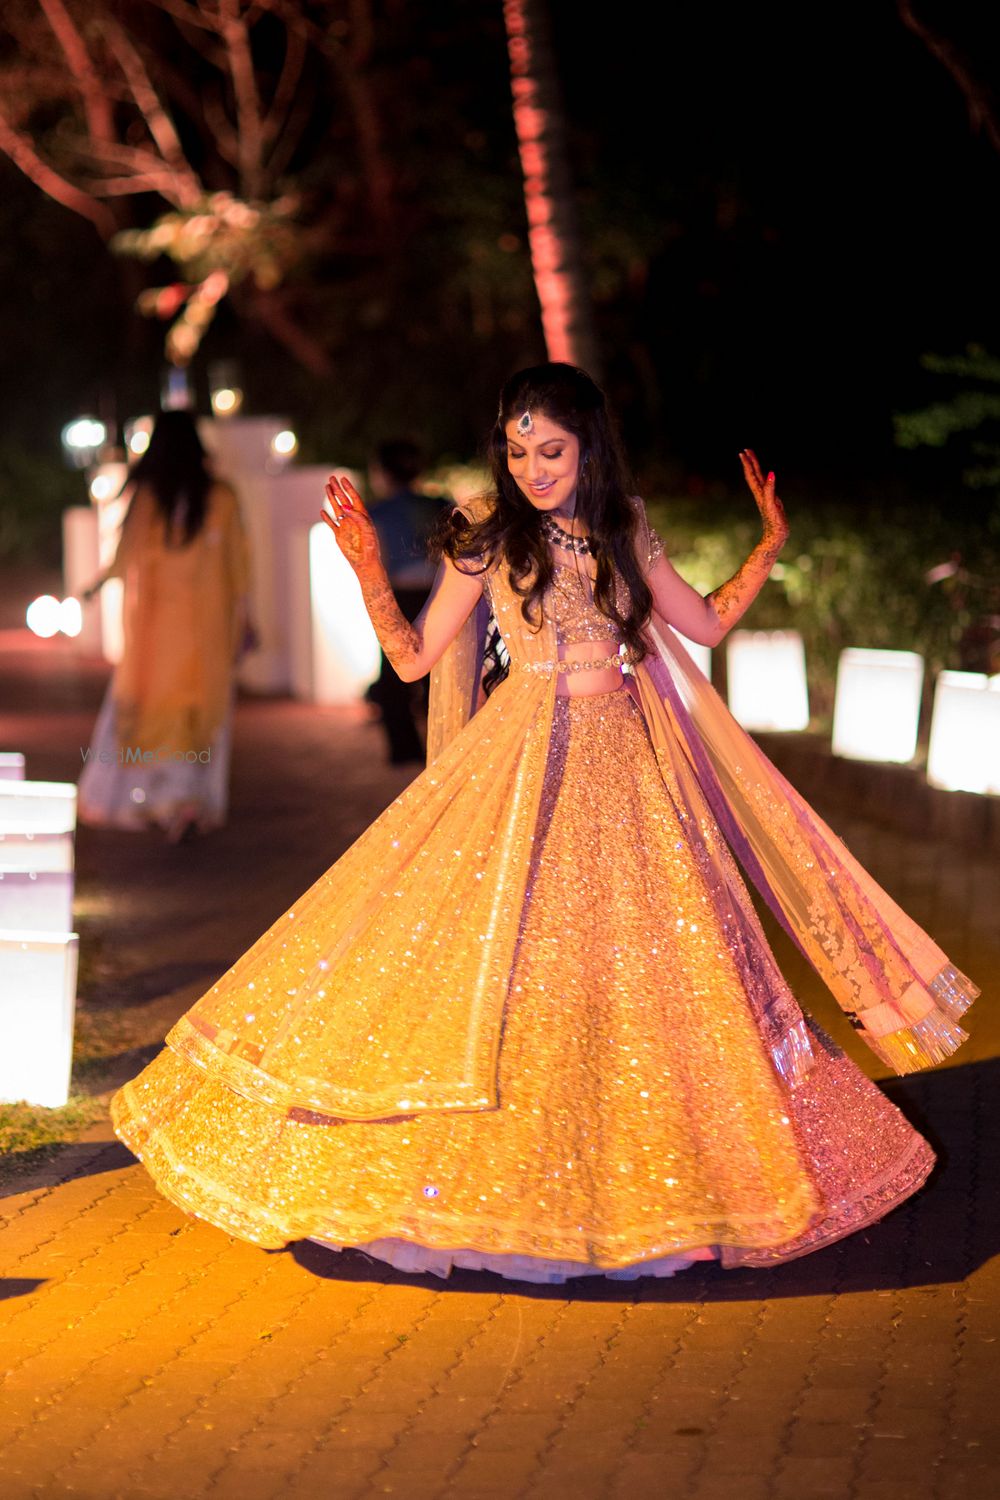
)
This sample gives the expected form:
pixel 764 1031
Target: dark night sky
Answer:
pixel 832 215
pixel 815 209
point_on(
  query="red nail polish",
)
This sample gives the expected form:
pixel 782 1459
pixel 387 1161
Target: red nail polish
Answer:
pixel 770 476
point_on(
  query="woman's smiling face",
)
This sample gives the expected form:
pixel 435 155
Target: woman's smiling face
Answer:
pixel 544 463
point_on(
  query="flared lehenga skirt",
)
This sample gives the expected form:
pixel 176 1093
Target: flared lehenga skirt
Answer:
pixel 640 1122
pixel 136 788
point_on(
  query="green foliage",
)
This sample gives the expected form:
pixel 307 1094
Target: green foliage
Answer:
pixel 855 579
pixel 971 414
pixel 29 1134
pixel 221 233
pixel 35 487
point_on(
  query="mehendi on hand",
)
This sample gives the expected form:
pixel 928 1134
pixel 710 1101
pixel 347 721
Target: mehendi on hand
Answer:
pixel 733 598
pixel 398 638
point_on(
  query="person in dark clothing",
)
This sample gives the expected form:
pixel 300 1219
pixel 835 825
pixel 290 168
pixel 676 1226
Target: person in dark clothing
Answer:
pixel 404 520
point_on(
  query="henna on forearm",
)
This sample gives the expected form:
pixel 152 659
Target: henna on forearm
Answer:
pixel 398 638
pixel 732 599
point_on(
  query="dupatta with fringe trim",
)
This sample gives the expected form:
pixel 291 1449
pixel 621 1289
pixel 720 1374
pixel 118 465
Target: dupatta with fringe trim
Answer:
pixel 896 986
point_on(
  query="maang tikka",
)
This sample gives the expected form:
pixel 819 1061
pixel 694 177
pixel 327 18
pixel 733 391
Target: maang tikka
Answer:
pixel 524 424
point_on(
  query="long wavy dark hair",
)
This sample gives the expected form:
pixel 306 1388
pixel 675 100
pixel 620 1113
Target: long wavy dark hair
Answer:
pixel 175 468
pixel 512 531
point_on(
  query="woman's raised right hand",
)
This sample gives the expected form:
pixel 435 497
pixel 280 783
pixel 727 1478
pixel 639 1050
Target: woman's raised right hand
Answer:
pixel 350 522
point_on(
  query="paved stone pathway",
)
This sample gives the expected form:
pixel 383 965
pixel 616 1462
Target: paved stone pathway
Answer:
pixel 144 1354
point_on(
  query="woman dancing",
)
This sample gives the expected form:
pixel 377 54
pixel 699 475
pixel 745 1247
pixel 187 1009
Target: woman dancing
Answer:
pixel 529 1022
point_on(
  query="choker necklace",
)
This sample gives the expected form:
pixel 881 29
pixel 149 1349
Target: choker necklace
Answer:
pixel 554 533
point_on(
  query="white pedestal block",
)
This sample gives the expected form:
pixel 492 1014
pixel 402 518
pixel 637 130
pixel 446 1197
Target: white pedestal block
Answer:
pixel 304 594
pixel 766 671
pixel 36 851
pixel 877 707
pixel 964 750
pixel 36 900
pixel 11 765
pixel 334 650
pixel 37 1005
pixel 37 807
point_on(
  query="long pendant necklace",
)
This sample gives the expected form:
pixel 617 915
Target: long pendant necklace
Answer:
pixel 554 533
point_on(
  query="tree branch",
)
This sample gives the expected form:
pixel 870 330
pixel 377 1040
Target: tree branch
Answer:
pixel 96 104
pixel 236 39
pixel 188 15
pixel 163 182
pixel 296 120
pixel 982 112
pixel 187 188
pixel 24 156
pixel 223 134
pixel 134 158
pixel 283 99
pixel 359 97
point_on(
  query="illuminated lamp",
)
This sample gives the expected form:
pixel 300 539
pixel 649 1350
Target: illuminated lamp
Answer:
pixel 964 750
pixel 103 485
pixel 37 1004
pixel 284 445
pixel 137 435
pixel 225 387
pixel 70 617
pixel 877 705
pixel 82 440
pixel 11 765
pixel 699 654
pixel 226 402
pixel 106 482
pixel 47 616
pixel 766 672
pixel 43 616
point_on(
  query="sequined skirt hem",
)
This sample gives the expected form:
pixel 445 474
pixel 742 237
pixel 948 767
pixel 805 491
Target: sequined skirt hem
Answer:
pixel 270 1228
pixel 879 1199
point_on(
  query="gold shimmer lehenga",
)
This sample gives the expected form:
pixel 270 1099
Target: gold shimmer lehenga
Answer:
pixel 529 1021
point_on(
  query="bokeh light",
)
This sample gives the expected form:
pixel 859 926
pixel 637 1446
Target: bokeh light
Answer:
pixel 44 615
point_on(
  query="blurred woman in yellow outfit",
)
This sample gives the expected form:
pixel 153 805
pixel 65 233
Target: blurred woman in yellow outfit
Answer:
pixel 160 751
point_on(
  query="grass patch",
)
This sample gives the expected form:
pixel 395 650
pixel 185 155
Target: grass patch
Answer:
pixel 31 1134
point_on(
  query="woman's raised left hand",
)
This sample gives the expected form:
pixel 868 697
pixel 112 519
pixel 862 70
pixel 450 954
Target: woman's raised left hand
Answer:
pixel 772 512
pixel 352 525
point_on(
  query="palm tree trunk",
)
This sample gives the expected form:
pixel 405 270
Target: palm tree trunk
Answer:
pixel 553 232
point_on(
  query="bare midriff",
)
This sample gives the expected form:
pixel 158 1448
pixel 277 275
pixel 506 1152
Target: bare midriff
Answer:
pixel 588 683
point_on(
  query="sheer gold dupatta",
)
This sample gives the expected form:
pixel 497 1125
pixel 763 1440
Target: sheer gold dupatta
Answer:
pixel 894 983
pixel 381 992
pixel 455 679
